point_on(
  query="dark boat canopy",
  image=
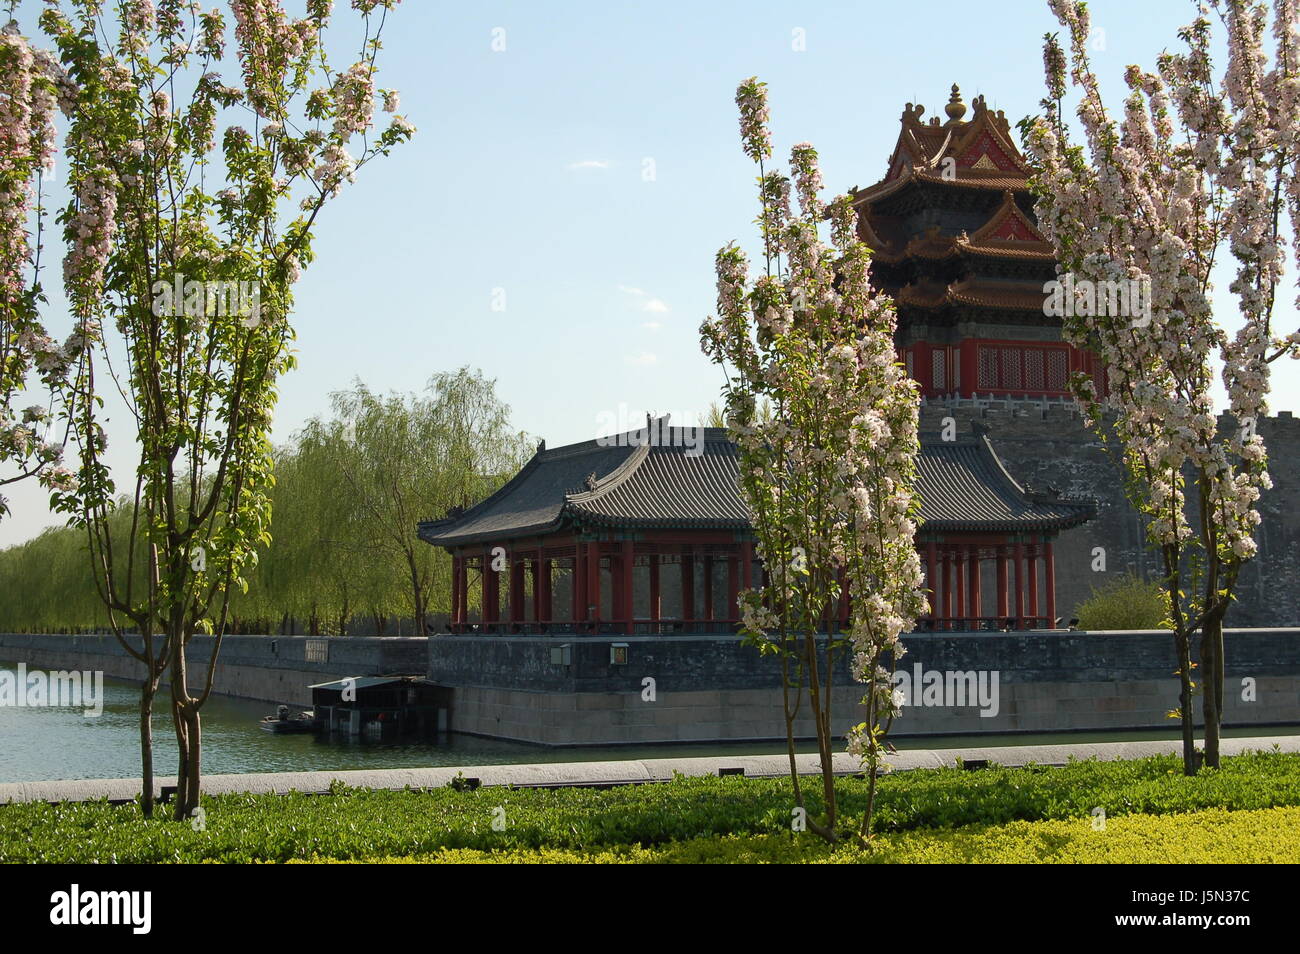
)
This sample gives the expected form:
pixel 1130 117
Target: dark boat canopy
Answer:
pixel 687 479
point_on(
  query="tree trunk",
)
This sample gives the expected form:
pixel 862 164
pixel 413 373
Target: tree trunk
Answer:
pixel 147 692
pixel 1185 705
pixel 1212 685
pixel 185 714
pixel 823 741
pixel 417 591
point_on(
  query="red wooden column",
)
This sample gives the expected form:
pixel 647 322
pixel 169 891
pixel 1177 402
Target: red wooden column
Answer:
pixel 579 583
pixel 548 587
pixel 517 589
pixel 1003 611
pixel 932 576
pixel 708 587
pixel 455 591
pixel 627 566
pixel 966 358
pixel 1049 571
pixel 733 584
pixel 976 586
pixel 491 590
pixel 593 584
pixel 535 571
pixel 946 556
pixel 688 586
pixel 1031 578
pixel 1020 584
pixel 959 564
pixel 655 607
pixel 464 589
pixel 746 564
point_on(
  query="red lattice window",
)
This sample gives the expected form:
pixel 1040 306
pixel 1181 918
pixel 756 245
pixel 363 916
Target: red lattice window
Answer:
pixel 988 368
pixel 939 369
pixel 1011 368
pixel 1034 376
pixel 1032 370
pixel 1058 370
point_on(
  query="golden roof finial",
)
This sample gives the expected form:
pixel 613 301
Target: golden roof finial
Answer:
pixel 955 109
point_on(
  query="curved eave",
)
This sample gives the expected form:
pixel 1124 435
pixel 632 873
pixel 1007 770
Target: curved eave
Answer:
pixel 1084 513
pixel 491 536
pixel 1008 251
pixel 611 521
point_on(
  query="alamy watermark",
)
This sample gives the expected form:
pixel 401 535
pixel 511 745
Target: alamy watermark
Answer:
pixel 32 689
pixel 1069 298
pixel 209 299
pixel 947 689
pixel 621 429
pixel 73 907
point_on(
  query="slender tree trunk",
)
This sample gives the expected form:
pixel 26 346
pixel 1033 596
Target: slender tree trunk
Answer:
pixel 182 756
pixel 823 742
pixel 1212 685
pixel 147 692
pixel 417 593
pixel 1185 704
pixel 189 739
pixel 790 714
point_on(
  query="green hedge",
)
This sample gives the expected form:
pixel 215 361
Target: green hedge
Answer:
pixel 356 824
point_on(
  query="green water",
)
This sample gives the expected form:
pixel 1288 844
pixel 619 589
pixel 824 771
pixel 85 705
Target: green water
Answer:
pixel 48 743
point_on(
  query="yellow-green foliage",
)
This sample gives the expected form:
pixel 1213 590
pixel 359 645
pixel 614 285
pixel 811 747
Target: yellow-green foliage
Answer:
pixel 1213 836
pixel 1128 602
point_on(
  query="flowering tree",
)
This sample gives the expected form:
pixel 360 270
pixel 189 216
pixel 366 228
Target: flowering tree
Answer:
pixel 28 101
pixel 1196 162
pixel 184 248
pixel 829 473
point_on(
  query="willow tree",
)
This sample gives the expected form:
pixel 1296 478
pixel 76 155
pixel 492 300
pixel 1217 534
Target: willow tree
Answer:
pixel 829 471
pixel 405 458
pixel 334 565
pixel 1199 164
pixel 181 257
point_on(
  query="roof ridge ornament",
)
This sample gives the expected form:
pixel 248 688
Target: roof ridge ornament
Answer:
pixel 590 481
pixel 956 109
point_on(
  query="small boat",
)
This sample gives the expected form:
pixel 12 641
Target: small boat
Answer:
pixel 283 722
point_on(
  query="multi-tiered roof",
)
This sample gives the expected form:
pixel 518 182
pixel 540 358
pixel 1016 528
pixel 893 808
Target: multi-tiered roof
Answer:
pixel 956 244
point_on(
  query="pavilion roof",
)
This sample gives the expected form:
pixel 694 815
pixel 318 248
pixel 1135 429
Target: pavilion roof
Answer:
pixel 963 487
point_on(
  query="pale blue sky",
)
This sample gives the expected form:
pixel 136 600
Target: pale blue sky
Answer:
pixel 526 175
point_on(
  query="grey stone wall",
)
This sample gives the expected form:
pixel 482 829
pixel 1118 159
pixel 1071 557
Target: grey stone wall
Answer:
pixel 714 688
pixel 1053 447
pixel 723 663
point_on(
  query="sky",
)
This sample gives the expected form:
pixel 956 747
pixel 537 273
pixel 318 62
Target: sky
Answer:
pixel 576 167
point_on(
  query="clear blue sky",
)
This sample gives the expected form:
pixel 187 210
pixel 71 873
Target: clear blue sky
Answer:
pixel 526 175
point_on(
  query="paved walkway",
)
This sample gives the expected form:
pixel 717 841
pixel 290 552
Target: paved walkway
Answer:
pixel 552 774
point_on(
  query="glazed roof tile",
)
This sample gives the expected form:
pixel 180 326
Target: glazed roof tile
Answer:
pixel 963 487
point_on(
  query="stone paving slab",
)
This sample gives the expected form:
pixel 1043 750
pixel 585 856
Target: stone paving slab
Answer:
pixel 632 771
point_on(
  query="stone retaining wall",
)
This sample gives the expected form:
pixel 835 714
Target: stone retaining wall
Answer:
pixel 711 688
